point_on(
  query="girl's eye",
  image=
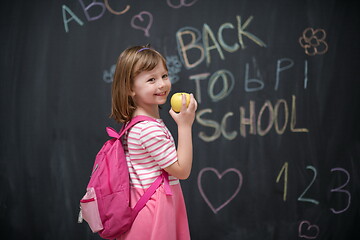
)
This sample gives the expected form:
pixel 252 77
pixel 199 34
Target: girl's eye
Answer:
pixel 151 80
pixel 165 76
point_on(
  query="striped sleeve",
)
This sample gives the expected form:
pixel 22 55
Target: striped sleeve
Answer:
pixel 158 142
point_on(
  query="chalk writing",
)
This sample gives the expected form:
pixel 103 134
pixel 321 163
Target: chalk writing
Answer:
pixel 280 131
pixel 302 198
pixel 284 170
pixel 251 84
pixel 210 45
pixel 279 69
pixel 208 123
pixel 219 176
pixel 116 12
pixel 249 35
pixel 182 3
pixel 341 190
pixel 254 123
pixel 139 22
pixel 227 86
pixel 66 20
pixel 305 74
pixel 97 10
pixel 256 83
pixel 313 41
pixel 307 230
pixel 228 83
pixel 197 78
pixel 226 47
pixel 193 46
pixel 96 5
pixel 208 36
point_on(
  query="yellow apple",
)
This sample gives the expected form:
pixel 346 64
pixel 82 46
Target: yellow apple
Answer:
pixel 176 101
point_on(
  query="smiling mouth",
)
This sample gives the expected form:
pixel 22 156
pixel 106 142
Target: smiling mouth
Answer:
pixel 161 94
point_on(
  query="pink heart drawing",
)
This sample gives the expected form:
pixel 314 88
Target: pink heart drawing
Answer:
pixel 216 210
pixel 309 232
pixel 141 23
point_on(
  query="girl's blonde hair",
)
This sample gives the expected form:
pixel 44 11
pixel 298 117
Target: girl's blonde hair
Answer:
pixel 131 62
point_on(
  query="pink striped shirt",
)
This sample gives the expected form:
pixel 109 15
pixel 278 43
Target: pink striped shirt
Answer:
pixel 149 148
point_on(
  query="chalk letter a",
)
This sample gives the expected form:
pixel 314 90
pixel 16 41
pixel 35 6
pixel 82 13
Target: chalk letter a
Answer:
pixel 206 34
pixel 67 20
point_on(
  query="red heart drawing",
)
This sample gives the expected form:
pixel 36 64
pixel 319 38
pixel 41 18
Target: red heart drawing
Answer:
pixel 216 210
pixel 309 232
pixel 139 25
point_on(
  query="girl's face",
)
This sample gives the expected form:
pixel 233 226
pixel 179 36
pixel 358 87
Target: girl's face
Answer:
pixel 151 88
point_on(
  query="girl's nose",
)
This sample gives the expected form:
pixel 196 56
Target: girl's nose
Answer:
pixel 161 83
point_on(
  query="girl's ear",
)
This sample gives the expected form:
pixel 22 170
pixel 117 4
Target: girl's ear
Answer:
pixel 132 93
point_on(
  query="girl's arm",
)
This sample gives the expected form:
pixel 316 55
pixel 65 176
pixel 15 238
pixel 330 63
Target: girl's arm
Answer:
pixel 182 167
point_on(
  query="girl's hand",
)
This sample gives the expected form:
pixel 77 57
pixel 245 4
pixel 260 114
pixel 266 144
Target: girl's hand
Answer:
pixel 186 115
pixel 184 119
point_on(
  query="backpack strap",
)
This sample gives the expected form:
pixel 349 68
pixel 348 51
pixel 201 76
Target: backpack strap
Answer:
pixel 134 121
pixel 113 133
pixel 164 177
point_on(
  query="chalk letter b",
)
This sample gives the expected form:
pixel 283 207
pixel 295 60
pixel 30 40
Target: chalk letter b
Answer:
pixel 193 44
pixel 91 5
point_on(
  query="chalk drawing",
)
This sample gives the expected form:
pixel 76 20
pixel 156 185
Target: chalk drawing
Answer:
pixel 313 41
pixel 220 176
pixel 108 75
pixel 174 66
pixel 307 230
pixel 139 22
pixel 182 3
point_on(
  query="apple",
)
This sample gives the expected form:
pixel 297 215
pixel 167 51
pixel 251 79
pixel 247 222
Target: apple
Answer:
pixel 176 101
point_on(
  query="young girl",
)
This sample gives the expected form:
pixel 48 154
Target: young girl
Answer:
pixel 141 83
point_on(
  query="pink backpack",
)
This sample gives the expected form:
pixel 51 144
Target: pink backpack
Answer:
pixel 106 204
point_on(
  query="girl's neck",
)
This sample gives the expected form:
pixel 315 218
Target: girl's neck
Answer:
pixel 154 113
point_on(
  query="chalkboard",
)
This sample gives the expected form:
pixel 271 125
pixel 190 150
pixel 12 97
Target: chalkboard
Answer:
pixel 276 135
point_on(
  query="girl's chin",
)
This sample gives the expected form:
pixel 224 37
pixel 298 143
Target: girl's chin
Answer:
pixel 161 99
pixel 162 102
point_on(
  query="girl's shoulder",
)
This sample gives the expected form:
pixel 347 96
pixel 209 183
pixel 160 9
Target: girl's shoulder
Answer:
pixel 147 125
pixel 152 129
